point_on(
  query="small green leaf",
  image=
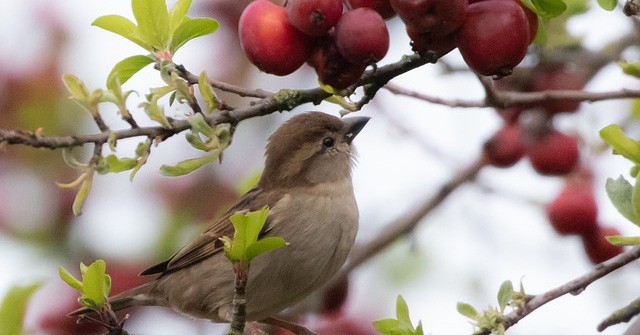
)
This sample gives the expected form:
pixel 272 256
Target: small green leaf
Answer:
pixel 126 68
pixel 153 22
pixel 13 308
pixel 419 330
pixel 116 164
pixel 200 125
pixel 142 154
pixel 123 27
pixel 71 160
pixel 402 311
pixel 386 326
pixel 190 29
pixel 467 310
pixel 195 141
pixel 549 8
pixel 608 4
pixel 248 183
pixel 624 240
pixel 83 192
pixel 504 294
pixel 622 145
pixel 207 93
pixel 187 166
pixel 247 228
pixel 632 69
pixel 76 87
pixel 178 13
pixel 70 279
pixel 264 245
pixel 94 283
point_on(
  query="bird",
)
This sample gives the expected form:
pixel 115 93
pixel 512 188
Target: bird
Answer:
pixel 306 183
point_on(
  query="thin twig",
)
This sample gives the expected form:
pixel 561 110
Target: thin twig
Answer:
pixel 574 287
pixel 621 315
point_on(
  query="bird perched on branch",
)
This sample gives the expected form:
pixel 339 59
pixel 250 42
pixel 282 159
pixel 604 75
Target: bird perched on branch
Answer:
pixel 307 185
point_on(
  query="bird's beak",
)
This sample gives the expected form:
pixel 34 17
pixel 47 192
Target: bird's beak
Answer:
pixel 354 126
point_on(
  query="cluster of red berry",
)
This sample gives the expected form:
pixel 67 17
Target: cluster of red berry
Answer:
pixel 339 46
pixel 471 25
pixel 553 153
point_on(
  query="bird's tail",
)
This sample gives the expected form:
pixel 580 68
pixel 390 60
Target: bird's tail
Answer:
pixel 137 296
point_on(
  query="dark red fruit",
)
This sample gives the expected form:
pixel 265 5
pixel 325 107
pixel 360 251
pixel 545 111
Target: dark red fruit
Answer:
pixel 574 211
pixel 424 42
pixel 554 154
pixel 494 37
pixel 531 16
pixel 506 147
pixel 268 39
pixel 314 17
pixel 331 67
pixel 558 78
pixel 438 17
pixel 383 7
pixel 334 297
pixel 597 247
pixel 362 36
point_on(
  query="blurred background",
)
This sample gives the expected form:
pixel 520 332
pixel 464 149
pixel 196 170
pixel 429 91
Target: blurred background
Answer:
pixel 487 231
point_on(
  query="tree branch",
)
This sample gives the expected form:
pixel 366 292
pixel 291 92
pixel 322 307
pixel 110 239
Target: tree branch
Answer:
pixel 621 315
pixel 282 101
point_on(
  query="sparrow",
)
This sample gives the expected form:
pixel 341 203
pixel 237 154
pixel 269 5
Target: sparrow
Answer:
pixel 306 183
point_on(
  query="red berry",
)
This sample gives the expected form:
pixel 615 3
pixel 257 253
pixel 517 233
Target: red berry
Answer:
pixel 362 36
pixel 494 37
pixel 268 39
pixel 554 154
pixel 383 7
pixel 335 296
pixel 506 147
pixel 558 78
pixel 574 211
pixel 314 17
pixel 438 17
pixel 531 16
pixel 424 42
pixel 597 247
pixel 331 67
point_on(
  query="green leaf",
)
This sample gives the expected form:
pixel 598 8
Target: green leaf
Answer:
pixel 207 93
pixel 402 311
pixel 195 141
pixel 126 68
pixel 76 87
pixel 467 310
pixel 608 4
pixel 200 125
pixel 264 245
pixel 187 166
pixel 621 144
pixel 190 29
pixel 549 8
pixel 123 27
pixel 70 279
pixel 142 154
pixel 116 164
pixel 13 308
pixel 386 326
pixel 624 240
pixel 178 13
pixel 248 183
pixel 419 330
pixel 632 69
pixel 153 22
pixel 95 283
pixel 247 228
pixel 504 294
pixel 83 192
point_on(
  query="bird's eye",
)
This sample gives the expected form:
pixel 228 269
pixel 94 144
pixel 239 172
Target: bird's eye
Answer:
pixel 328 142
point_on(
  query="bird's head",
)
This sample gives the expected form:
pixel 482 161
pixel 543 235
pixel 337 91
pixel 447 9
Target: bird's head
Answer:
pixel 311 148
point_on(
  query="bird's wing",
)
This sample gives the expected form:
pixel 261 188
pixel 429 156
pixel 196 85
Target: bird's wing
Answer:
pixel 208 243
